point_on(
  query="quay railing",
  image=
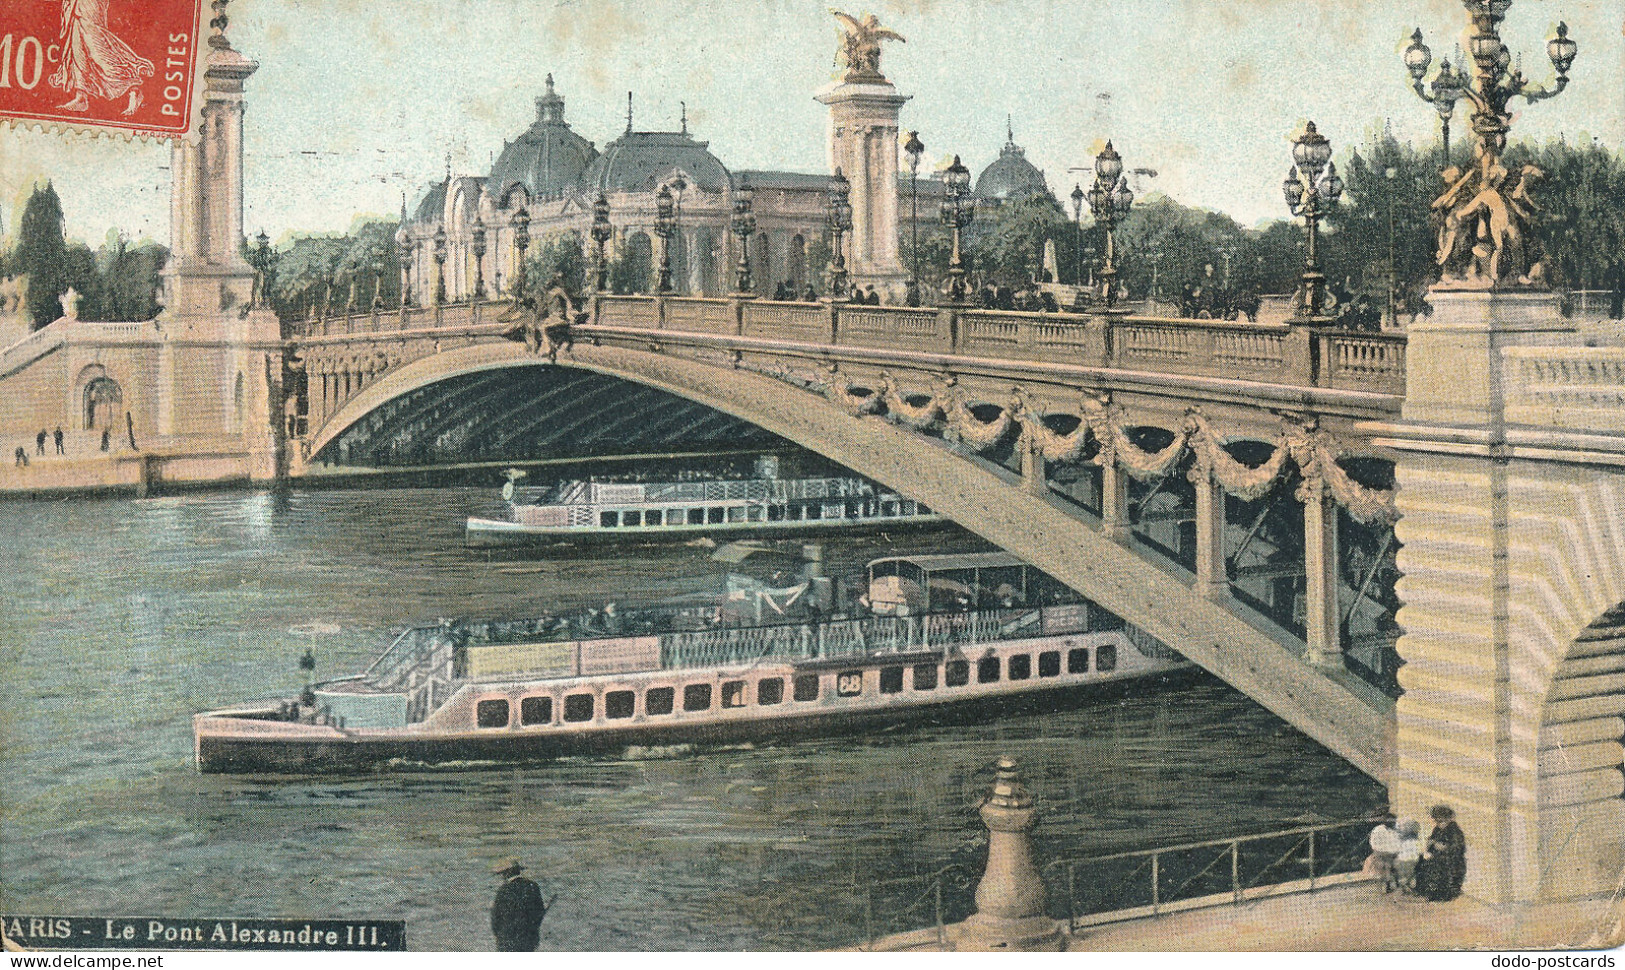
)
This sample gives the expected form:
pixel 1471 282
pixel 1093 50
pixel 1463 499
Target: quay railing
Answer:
pixel 1195 875
pixel 1137 884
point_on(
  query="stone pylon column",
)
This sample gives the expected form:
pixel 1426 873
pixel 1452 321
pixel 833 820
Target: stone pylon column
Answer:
pixel 1467 730
pixel 863 145
pixel 1010 898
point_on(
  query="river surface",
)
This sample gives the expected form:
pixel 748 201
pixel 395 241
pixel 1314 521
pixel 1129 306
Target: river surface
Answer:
pixel 121 618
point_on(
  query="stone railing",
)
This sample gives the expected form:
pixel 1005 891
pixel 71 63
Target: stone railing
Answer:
pixel 1566 388
pixel 1292 355
pixel 1275 353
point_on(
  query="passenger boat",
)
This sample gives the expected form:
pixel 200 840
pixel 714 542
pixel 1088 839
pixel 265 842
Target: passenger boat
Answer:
pixel 942 638
pixel 590 512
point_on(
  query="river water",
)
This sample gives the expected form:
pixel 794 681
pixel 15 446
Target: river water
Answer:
pixel 121 618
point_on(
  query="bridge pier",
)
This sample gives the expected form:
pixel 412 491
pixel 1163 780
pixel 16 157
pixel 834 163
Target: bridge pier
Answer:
pixel 1114 517
pixel 1322 623
pixel 1514 535
pixel 1212 578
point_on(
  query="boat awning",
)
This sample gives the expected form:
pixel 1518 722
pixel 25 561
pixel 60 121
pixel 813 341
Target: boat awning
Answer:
pixel 947 562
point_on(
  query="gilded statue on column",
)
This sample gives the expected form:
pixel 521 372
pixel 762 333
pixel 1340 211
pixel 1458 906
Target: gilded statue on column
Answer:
pixel 860 45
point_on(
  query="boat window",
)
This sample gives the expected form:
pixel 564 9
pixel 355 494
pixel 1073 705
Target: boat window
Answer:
pixel 658 700
pixel 851 510
pixel 736 513
pixel 891 680
pixel 697 697
pixel 733 693
pixel 925 676
pixel 756 513
pixel 619 703
pixel 957 673
pixel 653 517
pixel 849 683
pixel 536 710
pixel 1106 657
pixel 578 707
pixel 796 512
pixel 696 516
pixel 770 690
pixel 491 714
pixel 1077 660
pixel 888 508
pixel 806 687
pixel 987 670
pixel 908 507
pixel 1049 663
pixel 713 515
pixel 775 513
pixel 609 520
pixel 815 511
pixel 1021 666
pixel 631 517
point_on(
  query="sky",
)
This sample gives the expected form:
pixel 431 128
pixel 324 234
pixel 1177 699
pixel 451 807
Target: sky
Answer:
pixel 358 101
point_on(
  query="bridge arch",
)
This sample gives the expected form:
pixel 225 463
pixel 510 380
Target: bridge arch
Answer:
pixel 1228 638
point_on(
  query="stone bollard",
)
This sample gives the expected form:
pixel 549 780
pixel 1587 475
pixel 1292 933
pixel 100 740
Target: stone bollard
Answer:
pixel 1010 898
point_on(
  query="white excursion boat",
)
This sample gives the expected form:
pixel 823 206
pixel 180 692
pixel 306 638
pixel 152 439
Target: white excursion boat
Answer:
pixel 587 512
pixel 944 638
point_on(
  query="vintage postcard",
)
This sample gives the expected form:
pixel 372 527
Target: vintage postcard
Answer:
pixel 635 475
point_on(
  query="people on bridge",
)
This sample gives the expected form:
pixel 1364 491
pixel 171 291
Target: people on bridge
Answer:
pixel 516 915
pixel 809 295
pixel 1443 866
pixel 57 436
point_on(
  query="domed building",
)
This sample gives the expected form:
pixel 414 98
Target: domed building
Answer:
pixel 1010 177
pixel 554 175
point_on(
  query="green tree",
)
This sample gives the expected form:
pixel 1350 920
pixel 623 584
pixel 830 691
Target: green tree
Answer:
pixel 369 266
pixel 41 253
pixel 130 278
pixel 560 254
pixel 305 276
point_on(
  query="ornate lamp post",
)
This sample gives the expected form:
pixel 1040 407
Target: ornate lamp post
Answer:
pixel 405 245
pixel 958 209
pixel 1310 197
pixel 440 265
pixel 840 223
pixel 479 258
pixel 665 225
pixel 601 233
pixel 1446 89
pixel 1109 200
pixel 914 148
pixel 378 282
pixel 520 221
pixel 743 226
pixel 262 266
pixel 1077 225
pixel 1465 255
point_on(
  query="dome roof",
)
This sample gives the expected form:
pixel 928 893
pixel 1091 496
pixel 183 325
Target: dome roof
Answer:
pixel 1011 176
pixel 546 159
pixel 433 206
pixel 638 161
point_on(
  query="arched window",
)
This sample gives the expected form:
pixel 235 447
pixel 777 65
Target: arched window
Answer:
pixel 103 398
pixel 798 263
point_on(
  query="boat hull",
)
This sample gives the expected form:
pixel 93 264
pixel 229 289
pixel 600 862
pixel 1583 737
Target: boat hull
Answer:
pixel 495 532
pixel 223 746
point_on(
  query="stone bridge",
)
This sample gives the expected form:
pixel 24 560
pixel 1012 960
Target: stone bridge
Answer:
pixel 1231 488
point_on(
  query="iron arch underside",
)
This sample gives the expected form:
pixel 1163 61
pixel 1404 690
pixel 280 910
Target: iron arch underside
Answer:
pixel 530 413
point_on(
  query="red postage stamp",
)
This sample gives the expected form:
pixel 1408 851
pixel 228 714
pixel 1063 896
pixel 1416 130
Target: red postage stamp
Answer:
pixel 127 65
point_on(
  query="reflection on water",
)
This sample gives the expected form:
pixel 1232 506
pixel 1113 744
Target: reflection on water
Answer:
pixel 123 618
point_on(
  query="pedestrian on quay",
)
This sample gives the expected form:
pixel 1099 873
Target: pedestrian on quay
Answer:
pixel 129 429
pixel 516 915
pixel 39 442
pixel 1410 850
pixel 57 436
pixel 1443 866
pixel 107 439
pixel 1384 849
pixel 22 456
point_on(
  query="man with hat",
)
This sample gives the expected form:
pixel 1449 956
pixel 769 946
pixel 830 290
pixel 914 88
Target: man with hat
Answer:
pixel 516 916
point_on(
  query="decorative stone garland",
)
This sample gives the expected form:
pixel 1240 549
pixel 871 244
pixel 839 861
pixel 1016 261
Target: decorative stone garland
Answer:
pixel 920 417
